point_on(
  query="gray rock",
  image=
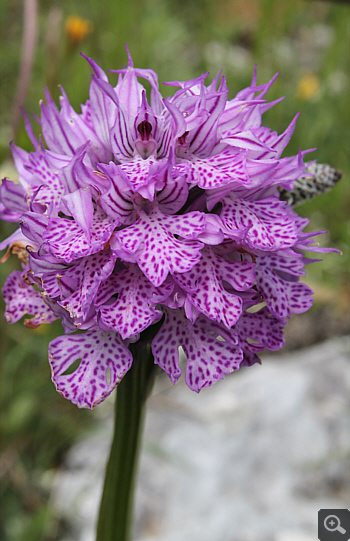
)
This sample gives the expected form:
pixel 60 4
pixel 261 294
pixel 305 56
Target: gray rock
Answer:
pixel 251 459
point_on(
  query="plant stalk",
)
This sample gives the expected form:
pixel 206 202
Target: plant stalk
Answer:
pixel 116 509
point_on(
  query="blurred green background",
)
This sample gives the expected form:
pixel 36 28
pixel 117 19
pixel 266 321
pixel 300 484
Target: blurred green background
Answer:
pixel 306 42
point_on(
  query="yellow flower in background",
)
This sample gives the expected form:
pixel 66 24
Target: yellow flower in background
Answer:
pixel 309 87
pixel 77 29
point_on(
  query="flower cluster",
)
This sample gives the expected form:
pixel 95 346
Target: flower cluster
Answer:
pixel 163 214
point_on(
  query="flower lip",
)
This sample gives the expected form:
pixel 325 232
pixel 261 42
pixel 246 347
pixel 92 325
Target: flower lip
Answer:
pixel 145 148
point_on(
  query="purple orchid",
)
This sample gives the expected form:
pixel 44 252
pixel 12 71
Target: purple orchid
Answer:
pixel 163 216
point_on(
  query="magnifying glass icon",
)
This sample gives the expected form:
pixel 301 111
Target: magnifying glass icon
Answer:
pixel 332 524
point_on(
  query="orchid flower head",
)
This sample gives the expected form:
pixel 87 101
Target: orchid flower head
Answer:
pixel 160 214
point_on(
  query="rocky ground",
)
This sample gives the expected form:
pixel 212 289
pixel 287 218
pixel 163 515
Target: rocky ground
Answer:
pixel 251 459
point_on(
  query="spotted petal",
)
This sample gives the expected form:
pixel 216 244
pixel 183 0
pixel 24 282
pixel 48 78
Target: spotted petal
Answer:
pixel 208 359
pixel 151 243
pixel 277 280
pixel 69 241
pixel 268 225
pixel 83 281
pixel 135 308
pixel 205 289
pixel 104 362
pixel 145 175
pixel 22 298
pixel 260 330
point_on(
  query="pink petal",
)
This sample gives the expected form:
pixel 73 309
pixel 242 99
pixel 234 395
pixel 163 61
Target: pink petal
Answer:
pixel 100 353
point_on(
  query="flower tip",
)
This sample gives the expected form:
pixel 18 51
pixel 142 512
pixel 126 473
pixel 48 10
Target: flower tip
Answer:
pixel 304 152
pixel 86 57
pixel 24 112
pixel 273 79
pixel 130 62
pixel 253 83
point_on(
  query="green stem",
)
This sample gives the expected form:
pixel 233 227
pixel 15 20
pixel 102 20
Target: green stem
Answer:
pixel 116 510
